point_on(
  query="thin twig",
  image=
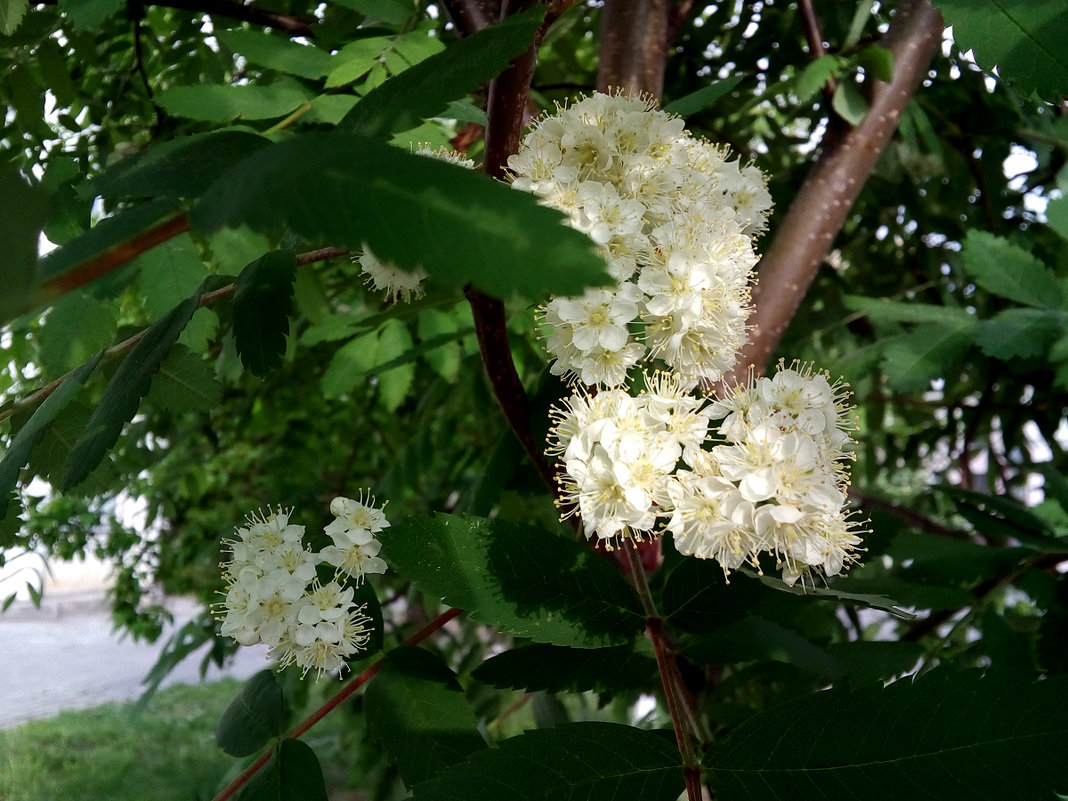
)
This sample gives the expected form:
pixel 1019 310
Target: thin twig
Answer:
pixel 338 698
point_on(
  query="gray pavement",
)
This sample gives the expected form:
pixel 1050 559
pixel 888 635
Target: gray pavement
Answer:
pixel 65 655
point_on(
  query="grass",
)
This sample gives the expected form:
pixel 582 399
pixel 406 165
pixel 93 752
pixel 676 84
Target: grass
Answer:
pixel 166 752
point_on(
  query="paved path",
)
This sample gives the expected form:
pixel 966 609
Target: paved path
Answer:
pixel 65 656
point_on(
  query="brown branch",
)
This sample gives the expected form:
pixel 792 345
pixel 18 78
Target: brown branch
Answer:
pixel 294 26
pixel 814 36
pixel 471 16
pixel 804 236
pixel 634 41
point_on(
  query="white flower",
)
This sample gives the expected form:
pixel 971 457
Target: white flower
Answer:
pixel 395 281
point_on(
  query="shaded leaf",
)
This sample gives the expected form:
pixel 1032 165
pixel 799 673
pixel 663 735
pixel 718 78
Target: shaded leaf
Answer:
pixel 848 101
pixel 519 578
pixel 703 98
pixel 867 661
pixel 185 383
pixel 945 736
pixel 588 761
pixel 458 225
pixel 1023 39
pixel 88 15
pixel 950 562
pixel 255 716
pixel 294 774
pixel 894 311
pixel 391 12
pixel 423 91
pixel 915 359
pixel 263 301
pixel 169 273
pixel 277 53
pixel 18 454
pixel 183 167
pixel 123 394
pixel 554 668
pixel 217 103
pixel 417 712
pixel 1019 333
pixel 1001 267
pixel 23 213
pixel 755 639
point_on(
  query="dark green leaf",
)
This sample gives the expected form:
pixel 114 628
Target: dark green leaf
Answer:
pixel 23 213
pixel 294 774
pixel 1055 486
pixel 423 91
pixel 263 301
pixel 915 359
pixel 587 761
pixel 417 712
pixel 277 53
pixel 1019 333
pixel 555 669
pixel 907 593
pixel 859 599
pixel 878 61
pixel 185 383
pixel 183 167
pixel 869 661
pixel 19 453
pixel 123 394
pixel 755 639
pixel 943 737
pixel 87 15
pixel 521 579
pixel 11 13
pixel 217 103
pixel 703 98
pixel 1057 216
pixel 949 562
pixel 1001 267
pixel 880 310
pixel 254 717
pixel 459 226
pixel 1024 39
pixel 390 12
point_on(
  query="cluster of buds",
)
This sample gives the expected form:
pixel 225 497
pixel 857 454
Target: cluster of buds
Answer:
pixel 275 596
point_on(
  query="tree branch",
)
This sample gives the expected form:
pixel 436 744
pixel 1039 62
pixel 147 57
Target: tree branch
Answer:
pixel 804 236
pixel 471 16
pixel 634 40
pixel 294 26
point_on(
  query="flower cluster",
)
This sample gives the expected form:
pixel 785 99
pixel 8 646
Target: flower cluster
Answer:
pixel 772 480
pixel 674 218
pixel 275 596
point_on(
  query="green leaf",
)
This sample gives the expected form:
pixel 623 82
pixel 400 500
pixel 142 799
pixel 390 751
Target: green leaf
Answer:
pixel 123 394
pixel 848 101
pixel 755 639
pixel 11 13
pixel 183 167
pixel 703 98
pixel 878 61
pixel 1024 39
pixel 185 383
pixel 390 12
pixel 355 59
pixel 77 326
pixel 881 310
pixel 294 774
pixel 461 227
pixel 519 578
pixel 588 761
pixel 943 737
pixel 860 599
pixel 254 717
pixel 349 366
pixel 169 273
pixel 1001 267
pixel 417 712
pixel 263 301
pixel 277 53
pixel 394 383
pixel 555 669
pixel 816 74
pixel 869 661
pixel 425 89
pixel 1057 216
pixel 106 236
pixel 23 213
pixel 88 15
pixel 915 359
pixel 1019 333
pixel 217 103
pixel 18 454
pixel 950 562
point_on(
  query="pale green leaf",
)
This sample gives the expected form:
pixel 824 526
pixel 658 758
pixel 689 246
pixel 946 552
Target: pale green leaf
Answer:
pixel 395 382
pixel 349 365
pixel 816 74
pixel 1001 267
pixel 277 53
pixel 169 273
pixel 77 326
pixel 703 98
pixel 915 359
pixel 217 103
pixel 11 14
pixel 849 102
pixel 880 310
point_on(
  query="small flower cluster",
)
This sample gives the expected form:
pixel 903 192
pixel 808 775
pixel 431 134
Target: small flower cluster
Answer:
pixel 772 481
pixel 274 595
pixel 674 219
pixel 397 283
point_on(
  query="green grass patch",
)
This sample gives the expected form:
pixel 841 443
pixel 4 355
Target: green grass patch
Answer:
pixel 165 752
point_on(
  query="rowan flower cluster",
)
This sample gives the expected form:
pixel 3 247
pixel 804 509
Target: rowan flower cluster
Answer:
pixel 770 479
pixel 275 594
pixel 673 217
